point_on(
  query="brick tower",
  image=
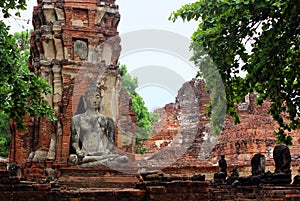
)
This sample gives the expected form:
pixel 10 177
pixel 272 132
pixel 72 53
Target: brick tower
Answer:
pixel 74 44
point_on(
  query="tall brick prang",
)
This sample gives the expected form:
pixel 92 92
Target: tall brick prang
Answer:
pixel 74 44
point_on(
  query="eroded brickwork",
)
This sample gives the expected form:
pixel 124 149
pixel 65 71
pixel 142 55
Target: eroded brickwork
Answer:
pixel 74 44
pixel 150 191
pixel 178 136
pixel 255 134
pixel 127 123
pixel 239 143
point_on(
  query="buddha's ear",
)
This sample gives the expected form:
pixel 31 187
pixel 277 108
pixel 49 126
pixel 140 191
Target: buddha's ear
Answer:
pixel 84 103
pixel 100 106
pixel 101 93
pixel 81 108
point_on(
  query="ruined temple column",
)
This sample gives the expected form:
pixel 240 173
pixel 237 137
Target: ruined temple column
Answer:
pixel 73 44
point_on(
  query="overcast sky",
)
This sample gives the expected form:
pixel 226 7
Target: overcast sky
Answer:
pixel 135 15
pixel 141 14
pixel 149 21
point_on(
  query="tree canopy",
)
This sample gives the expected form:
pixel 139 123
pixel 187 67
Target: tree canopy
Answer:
pixel 20 90
pixel 5 136
pixel 7 5
pixel 259 38
pixel 144 117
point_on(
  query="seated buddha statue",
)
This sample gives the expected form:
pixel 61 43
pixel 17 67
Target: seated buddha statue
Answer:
pixel 92 135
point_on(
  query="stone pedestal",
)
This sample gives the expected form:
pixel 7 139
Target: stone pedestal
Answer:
pixel 73 177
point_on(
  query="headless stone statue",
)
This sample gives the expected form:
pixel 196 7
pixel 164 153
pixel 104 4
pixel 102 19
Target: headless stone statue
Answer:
pixel 92 136
pixel 282 158
pixel 258 172
pixel 258 164
pixel 282 174
pixel 234 176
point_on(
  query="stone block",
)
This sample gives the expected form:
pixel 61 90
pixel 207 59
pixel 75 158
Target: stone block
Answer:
pixel 60 14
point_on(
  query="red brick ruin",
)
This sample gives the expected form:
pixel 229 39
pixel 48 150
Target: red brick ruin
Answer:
pixel 73 43
pixel 76 43
pixel 238 142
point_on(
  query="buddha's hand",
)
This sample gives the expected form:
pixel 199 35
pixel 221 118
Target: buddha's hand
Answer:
pixel 80 154
pixel 106 152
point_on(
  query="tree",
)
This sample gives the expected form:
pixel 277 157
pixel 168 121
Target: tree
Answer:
pixel 8 5
pixel 20 90
pixel 143 115
pixel 128 83
pixel 23 41
pixel 260 38
pixel 5 135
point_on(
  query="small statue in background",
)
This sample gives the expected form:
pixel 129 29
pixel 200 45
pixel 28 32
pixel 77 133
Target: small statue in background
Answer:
pixel 223 165
pixel 282 174
pixel 234 176
pixel 297 178
pixel 220 176
pixel 258 163
pixel 282 158
pixel 257 171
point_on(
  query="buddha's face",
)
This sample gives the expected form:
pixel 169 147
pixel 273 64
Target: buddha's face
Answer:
pixel 92 100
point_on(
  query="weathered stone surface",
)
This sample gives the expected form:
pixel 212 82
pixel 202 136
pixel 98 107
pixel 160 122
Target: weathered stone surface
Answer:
pixel 267 193
pixel 93 135
pixel 75 177
pixel 239 143
pixel 255 134
pixel 182 129
pixel 151 191
pixel 182 134
pixel 127 124
pixel 80 50
pixel 69 49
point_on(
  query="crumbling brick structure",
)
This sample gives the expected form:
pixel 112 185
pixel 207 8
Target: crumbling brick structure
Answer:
pixel 185 122
pixel 177 138
pixel 74 44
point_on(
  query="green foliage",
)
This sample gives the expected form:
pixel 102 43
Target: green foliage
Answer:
pixel 20 90
pixel 143 116
pixel 271 29
pixel 153 117
pixel 8 5
pixel 128 83
pixel 6 42
pixel 5 135
pixel 23 40
pixel 217 106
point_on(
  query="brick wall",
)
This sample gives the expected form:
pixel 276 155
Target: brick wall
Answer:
pixel 151 191
pixel 237 142
pixel 73 44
